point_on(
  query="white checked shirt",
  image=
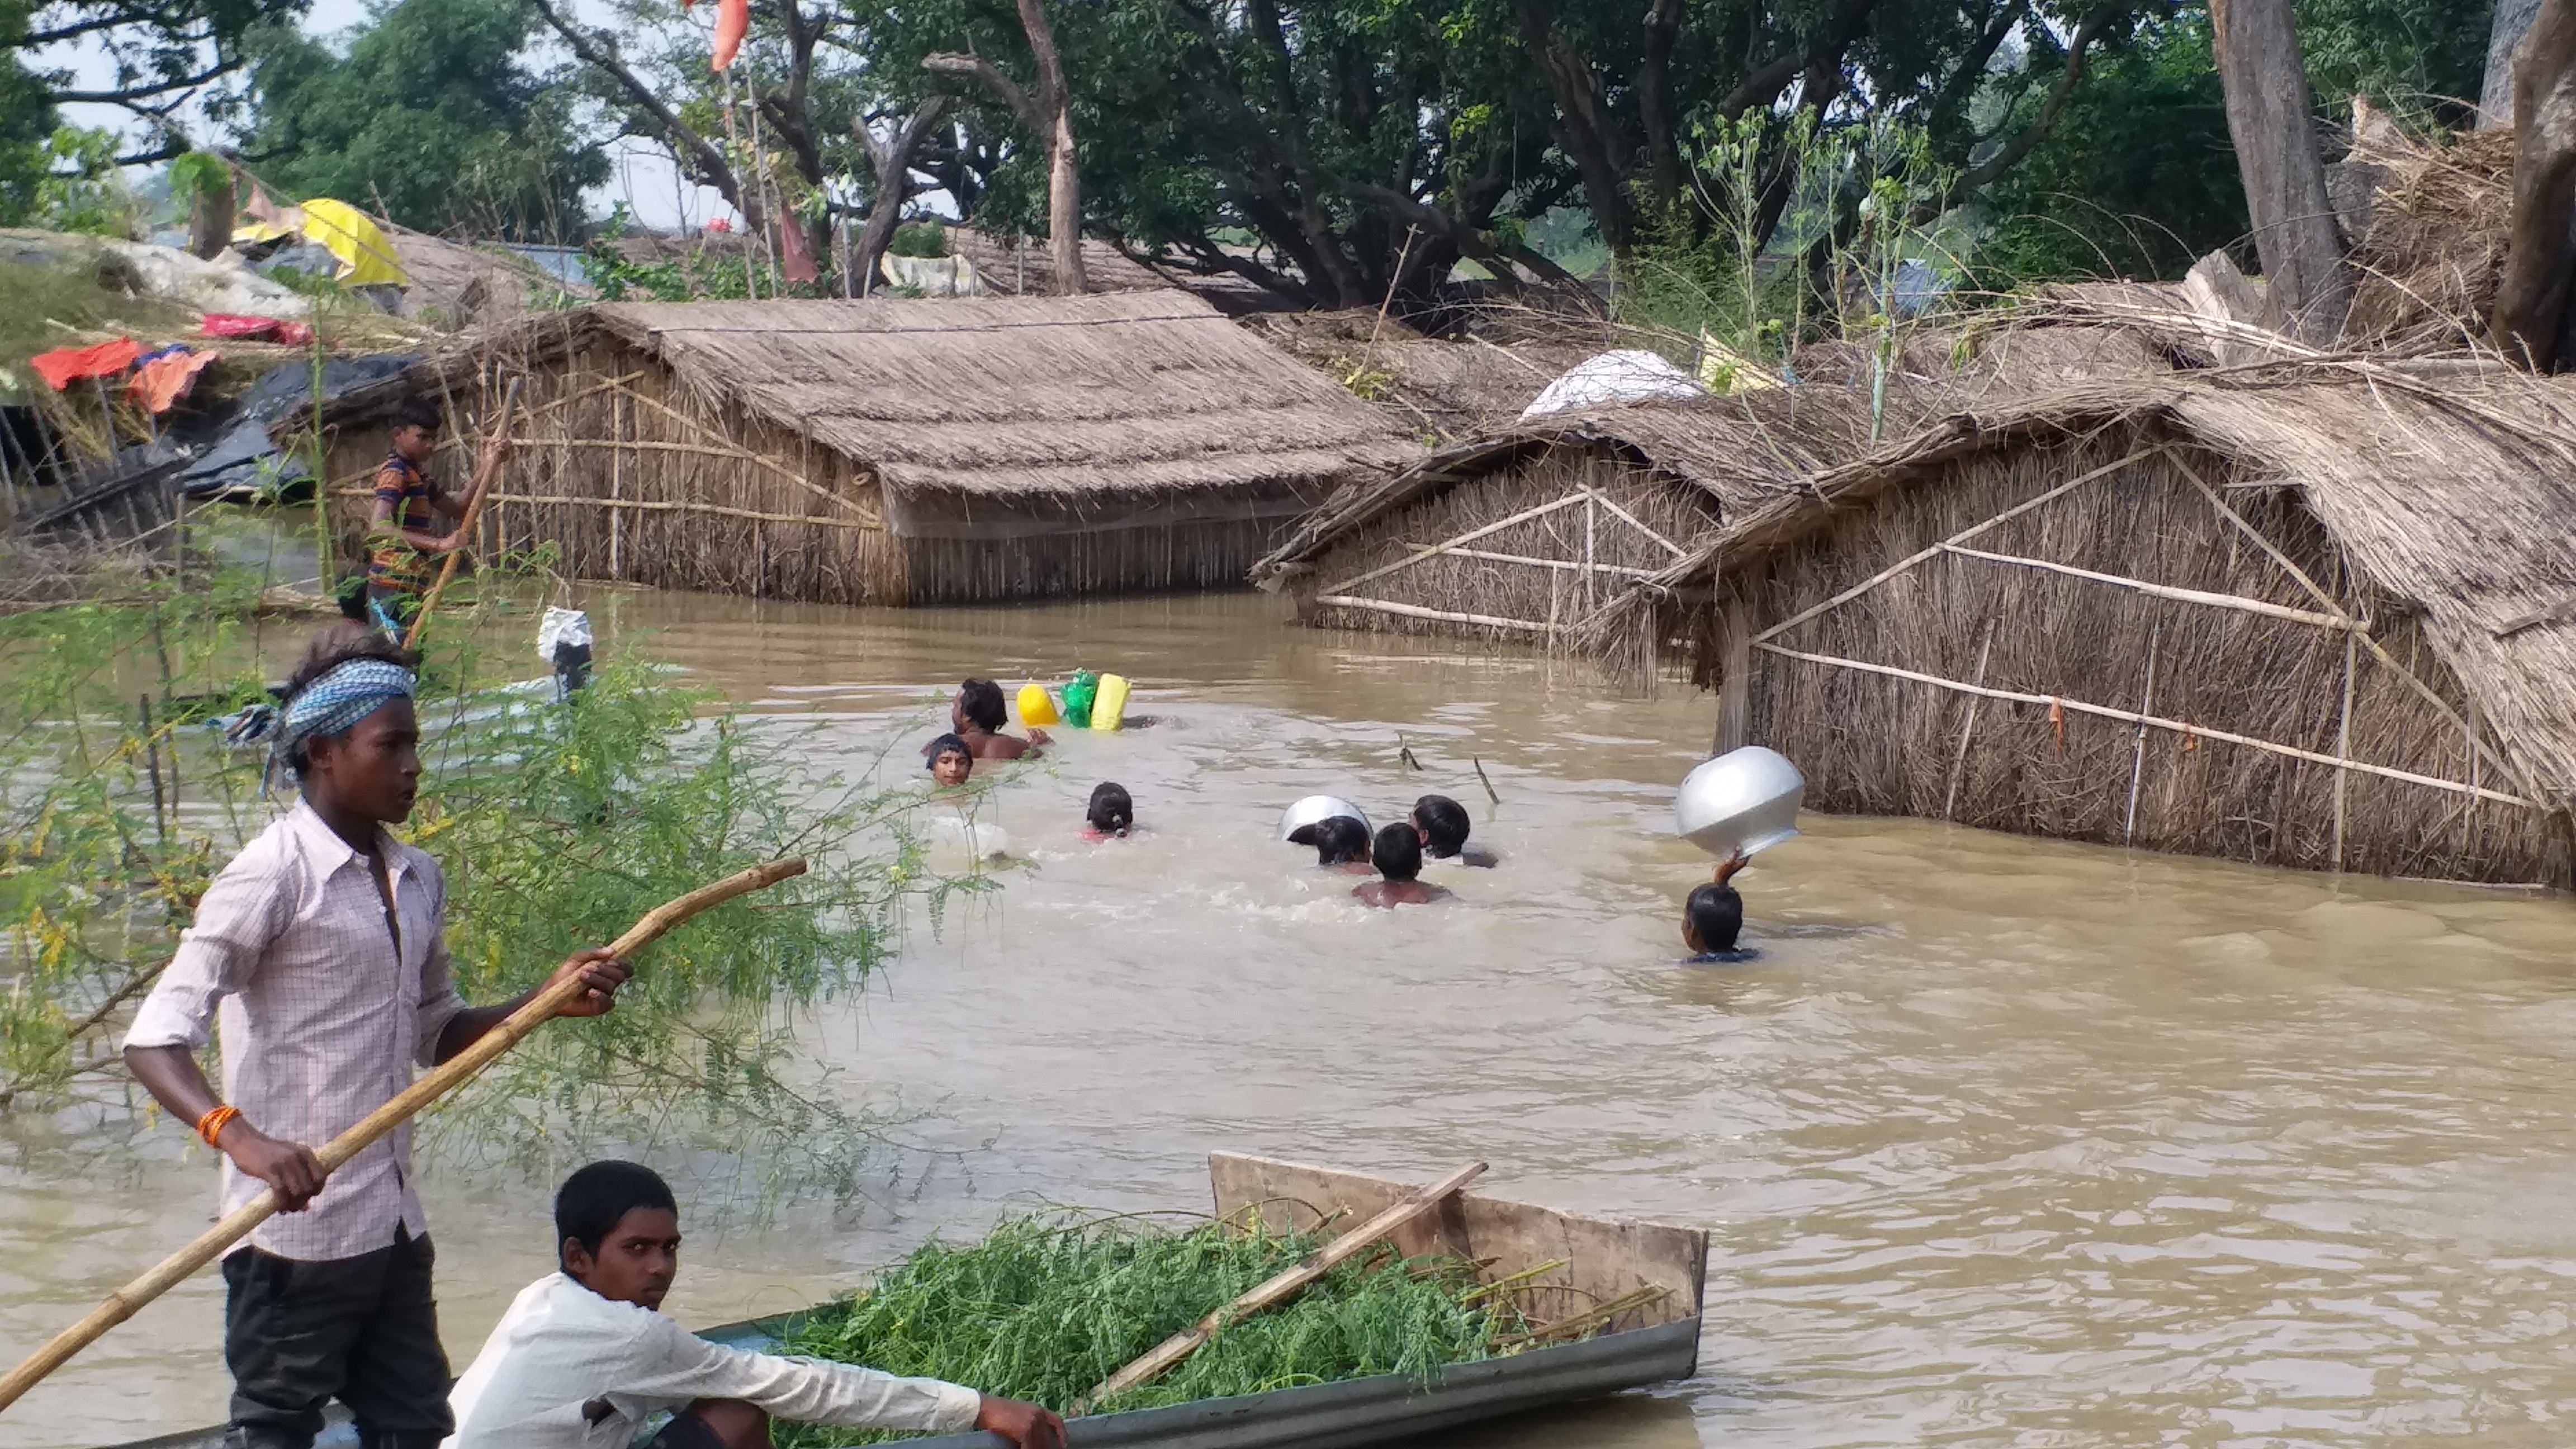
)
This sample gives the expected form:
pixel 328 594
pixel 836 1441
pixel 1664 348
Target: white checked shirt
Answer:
pixel 568 1369
pixel 322 1016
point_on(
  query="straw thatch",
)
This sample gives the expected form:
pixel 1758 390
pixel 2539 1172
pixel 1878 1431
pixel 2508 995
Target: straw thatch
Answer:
pixel 897 451
pixel 455 284
pixel 2319 615
pixel 2429 247
pixel 1446 389
pixel 1523 533
pixel 1024 266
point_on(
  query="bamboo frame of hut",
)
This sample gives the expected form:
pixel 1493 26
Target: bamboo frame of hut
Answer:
pixel 2283 616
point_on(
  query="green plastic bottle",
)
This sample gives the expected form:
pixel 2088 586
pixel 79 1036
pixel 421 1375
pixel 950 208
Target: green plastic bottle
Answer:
pixel 1078 696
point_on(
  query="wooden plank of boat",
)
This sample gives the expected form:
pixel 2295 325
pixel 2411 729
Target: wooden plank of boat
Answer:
pixel 1657 1272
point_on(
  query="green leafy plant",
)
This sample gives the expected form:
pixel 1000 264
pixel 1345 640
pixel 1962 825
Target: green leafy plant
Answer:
pixel 1047 1306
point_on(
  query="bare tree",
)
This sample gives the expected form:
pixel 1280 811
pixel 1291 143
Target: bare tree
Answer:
pixel 2272 120
pixel 1049 115
pixel 891 157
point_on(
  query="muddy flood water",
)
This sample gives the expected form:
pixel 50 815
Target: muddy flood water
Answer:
pixel 1999 1142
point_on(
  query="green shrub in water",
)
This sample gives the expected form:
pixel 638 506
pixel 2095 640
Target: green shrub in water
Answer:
pixel 1046 1307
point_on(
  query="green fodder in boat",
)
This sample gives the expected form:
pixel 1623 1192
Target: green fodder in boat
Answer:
pixel 1044 1308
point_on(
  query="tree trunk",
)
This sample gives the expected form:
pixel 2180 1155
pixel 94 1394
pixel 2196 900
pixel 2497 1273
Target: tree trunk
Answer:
pixel 2495 99
pixel 210 220
pixel 2531 299
pixel 2273 123
pixel 1064 183
pixel 892 161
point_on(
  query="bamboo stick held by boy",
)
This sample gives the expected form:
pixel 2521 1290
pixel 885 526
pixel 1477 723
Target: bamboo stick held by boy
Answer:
pixel 584 1356
pixel 322 948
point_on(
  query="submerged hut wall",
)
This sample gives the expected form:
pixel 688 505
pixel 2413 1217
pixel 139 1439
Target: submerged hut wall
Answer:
pixel 2290 618
pixel 1524 534
pixel 887 451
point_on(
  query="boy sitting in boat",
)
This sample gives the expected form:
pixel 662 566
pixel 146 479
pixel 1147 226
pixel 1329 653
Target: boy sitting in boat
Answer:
pixel 1713 916
pixel 1398 857
pixel 584 1355
pixel 1442 824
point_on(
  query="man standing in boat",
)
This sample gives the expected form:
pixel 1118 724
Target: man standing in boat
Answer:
pixel 324 946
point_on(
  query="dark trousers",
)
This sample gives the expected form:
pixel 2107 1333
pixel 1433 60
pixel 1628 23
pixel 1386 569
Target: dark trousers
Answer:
pixel 363 1330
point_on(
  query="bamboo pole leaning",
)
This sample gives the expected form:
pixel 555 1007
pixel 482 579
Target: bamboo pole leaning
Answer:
pixel 484 478
pixel 453 1073
pixel 1278 1288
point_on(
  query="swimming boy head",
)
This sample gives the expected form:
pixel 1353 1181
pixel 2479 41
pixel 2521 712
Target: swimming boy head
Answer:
pixel 1441 825
pixel 1397 854
pixel 951 762
pixel 569 1368
pixel 1714 914
pixel 1111 813
pixel 1341 843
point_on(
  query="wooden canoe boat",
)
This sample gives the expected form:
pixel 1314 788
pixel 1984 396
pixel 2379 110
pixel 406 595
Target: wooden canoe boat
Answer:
pixel 1624 1297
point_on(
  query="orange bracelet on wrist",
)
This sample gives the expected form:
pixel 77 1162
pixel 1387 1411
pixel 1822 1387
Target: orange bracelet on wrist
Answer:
pixel 211 1126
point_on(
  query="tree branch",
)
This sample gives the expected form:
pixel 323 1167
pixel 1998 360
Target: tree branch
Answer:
pixel 977 68
pixel 2078 54
pixel 600 52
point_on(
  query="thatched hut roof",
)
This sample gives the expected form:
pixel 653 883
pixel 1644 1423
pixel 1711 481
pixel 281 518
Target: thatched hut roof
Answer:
pixel 1079 398
pixel 1740 450
pixel 1451 389
pixel 2449 488
pixel 1024 266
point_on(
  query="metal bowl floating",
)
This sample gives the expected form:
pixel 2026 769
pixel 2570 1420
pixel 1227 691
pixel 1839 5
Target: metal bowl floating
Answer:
pixel 1743 800
pixel 1315 810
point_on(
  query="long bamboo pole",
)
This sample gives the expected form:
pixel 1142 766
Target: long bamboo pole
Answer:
pixel 455 1072
pixel 1279 1287
pixel 484 478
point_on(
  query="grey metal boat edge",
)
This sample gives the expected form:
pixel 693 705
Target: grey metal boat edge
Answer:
pixel 1317 1416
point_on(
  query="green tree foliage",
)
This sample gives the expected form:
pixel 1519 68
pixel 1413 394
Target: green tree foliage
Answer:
pixel 27 118
pixel 433 110
pixel 161 58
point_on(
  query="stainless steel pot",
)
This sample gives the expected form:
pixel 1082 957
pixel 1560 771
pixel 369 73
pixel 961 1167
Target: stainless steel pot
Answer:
pixel 1315 809
pixel 1743 800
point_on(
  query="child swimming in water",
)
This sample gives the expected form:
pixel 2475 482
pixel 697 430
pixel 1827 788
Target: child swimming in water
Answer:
pixel 951 762
pixel 1442 824
pixel 1398 857
pixel 1713 916
pixel 1111 815
pixel 1342 844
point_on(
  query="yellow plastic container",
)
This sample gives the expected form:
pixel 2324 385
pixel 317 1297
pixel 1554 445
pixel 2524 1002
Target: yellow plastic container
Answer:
pixel 1110 705
pixel 1037 707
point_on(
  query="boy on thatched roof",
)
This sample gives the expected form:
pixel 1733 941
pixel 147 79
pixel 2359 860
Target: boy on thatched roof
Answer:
pixel 584 1356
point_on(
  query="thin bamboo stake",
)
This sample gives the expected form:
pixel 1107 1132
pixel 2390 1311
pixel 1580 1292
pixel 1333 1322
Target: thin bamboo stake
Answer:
pixel 455 1072
pixel 2138 756
pixel 1630 519
pixel 1470 536
pixel 1280 1287
pixel 616 485
pixel 1568 566
pixel 1968 726
pixel 2343 741
pixel 484 478
pixel 2179 595
pixel 655 505
pixel 152 758
pixel 2174 726
pixel 1962 536
pixel 1416 611
pixel 1589 513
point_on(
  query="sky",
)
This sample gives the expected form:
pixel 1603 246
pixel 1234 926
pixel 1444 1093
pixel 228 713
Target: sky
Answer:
pixel 645 178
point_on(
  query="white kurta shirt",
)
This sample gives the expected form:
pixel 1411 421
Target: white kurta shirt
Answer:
pixel 323 1011
pixel 568 1369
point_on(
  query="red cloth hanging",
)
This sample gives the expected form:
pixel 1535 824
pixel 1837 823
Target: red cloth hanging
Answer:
pixel 232 324
pixel 733 22
pixel 797 262
pixel 67 365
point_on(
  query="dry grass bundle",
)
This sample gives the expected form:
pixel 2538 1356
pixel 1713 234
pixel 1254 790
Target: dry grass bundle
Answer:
pixel 2433 251
pixel 2319 615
